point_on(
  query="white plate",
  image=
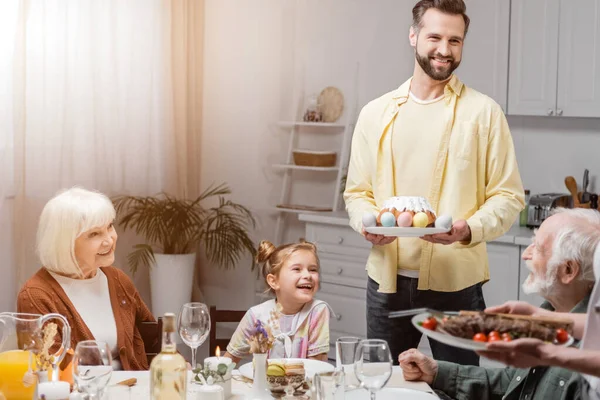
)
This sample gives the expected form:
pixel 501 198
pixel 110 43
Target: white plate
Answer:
pixel 404 232
pixel 390 394
pixel 450 340
pixel 311 367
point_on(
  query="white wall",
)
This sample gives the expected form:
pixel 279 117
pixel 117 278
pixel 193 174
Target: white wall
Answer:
pixel 243 84
pixel 257 52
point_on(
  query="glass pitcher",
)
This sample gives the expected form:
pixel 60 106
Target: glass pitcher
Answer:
pixel 20 339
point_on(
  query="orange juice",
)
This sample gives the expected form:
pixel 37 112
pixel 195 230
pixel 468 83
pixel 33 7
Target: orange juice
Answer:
pixel 13 365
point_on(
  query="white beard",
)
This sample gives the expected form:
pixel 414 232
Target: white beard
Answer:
pixel 535 284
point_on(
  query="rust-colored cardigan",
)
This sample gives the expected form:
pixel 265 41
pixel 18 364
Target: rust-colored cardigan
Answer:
pixel 42 294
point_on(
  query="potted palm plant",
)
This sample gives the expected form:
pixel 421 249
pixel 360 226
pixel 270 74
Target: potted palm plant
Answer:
pixel 174 229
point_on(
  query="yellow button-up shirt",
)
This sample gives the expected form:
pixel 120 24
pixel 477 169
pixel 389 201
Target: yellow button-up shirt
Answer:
pixel 475 178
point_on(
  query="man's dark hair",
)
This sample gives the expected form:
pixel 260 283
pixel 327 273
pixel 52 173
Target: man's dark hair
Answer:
pixel 452 7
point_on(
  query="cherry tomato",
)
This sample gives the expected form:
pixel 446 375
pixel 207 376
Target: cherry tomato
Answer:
pixel 480 337
pixel 494 338
pixel 430 323
pixel 507 337
pixel 561 335
pixel 493 333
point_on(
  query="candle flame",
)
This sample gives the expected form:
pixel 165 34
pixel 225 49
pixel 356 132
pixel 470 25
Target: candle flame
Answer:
pixel 218 351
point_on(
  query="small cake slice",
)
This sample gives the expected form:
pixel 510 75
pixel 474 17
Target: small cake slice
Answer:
pixel 294 368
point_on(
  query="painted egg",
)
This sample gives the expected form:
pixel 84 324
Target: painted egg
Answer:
pixel 388 219
pixel 369 220
pixel 443 222
pixel 405 219
pixel 420 220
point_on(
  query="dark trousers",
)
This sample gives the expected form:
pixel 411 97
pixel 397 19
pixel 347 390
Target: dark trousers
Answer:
pixel 400 334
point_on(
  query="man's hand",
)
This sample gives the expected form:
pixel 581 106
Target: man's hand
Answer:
pixel 460 232
pixel 378 240
pixel 416 366
pixel 522 353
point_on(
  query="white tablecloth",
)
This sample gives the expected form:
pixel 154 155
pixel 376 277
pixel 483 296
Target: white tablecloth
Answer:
pixel 142 389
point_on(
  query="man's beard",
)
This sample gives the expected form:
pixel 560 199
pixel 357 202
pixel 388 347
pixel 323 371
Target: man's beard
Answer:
pixel 438 75
pixel 542 285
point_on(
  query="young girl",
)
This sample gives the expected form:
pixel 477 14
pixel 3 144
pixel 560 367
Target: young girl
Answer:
pixel 299 323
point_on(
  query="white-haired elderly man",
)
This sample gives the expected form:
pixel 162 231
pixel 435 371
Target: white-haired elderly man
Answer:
pixel 76 243
pixel 585 360
pixel 561 263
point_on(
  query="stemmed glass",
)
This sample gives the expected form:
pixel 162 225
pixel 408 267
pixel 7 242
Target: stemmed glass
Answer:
pixel 92 367
pixel 373 364
pixel 193 325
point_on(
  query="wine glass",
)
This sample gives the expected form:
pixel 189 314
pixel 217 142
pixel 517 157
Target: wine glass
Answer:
pixel 193 325
pixel 92 367
pixel 373 364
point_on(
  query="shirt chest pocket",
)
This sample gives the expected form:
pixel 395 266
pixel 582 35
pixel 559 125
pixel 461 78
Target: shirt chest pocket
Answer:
pixel 464 143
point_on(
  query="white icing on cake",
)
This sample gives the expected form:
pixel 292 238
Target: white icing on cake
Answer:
pixel 409 203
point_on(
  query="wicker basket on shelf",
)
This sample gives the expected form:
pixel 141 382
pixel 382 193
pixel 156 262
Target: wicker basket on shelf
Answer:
pixel 310 158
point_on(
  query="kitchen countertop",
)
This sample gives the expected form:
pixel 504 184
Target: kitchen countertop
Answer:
pixel 517 235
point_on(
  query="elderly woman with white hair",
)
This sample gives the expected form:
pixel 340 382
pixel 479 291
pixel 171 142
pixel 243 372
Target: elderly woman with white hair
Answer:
pixel 76 243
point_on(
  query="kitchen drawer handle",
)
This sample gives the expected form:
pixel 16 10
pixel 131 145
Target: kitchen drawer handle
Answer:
pixel 550 112
pixel 559 112
pixel 340 240
pixel 340 271
pixel 338 317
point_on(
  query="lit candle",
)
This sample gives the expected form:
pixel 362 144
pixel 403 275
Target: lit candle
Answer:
pixel 214 362
pixel 213 365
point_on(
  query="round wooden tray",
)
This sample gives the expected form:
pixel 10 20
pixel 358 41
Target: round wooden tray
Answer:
pixel 331 104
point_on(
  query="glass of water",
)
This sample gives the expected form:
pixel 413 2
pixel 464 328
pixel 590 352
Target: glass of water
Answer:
pixel 92 368
pixel 193 325
pixel 345 351
pixel 373 364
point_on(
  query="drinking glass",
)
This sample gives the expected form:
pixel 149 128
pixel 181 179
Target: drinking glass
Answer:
pixel 373 364
pixel 345 351
pixel 92 368
pixel 329 385
pixel 193 325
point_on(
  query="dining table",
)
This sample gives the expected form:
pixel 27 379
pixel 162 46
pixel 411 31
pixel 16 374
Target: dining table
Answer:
pixel 396 387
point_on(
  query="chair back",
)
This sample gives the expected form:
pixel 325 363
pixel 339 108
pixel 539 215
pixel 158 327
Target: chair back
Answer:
pixel 221 316
pixel 151 335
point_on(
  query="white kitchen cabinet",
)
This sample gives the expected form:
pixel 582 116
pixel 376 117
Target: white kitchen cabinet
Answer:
pixel 484 65
pixel 579 59
pixel 523 274
pixel 504 274
pixel 554 58
pixel 533 57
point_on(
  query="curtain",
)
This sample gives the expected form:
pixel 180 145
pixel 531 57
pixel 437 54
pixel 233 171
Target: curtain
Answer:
pixel 105 94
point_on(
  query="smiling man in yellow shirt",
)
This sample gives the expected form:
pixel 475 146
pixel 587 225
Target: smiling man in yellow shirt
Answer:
pixel 437 138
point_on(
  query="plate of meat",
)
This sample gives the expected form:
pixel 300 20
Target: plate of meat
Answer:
pixel 472 330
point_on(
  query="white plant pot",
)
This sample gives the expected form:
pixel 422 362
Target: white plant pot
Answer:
pixel 171 281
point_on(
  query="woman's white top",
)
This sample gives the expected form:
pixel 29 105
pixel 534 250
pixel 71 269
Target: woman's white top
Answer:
pixel 91 299
pixel 591 336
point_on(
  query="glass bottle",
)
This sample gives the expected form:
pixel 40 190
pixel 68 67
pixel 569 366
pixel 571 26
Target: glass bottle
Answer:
pixel 523 215
pixel 168 370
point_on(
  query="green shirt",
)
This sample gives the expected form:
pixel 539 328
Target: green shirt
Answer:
pixel 540 383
